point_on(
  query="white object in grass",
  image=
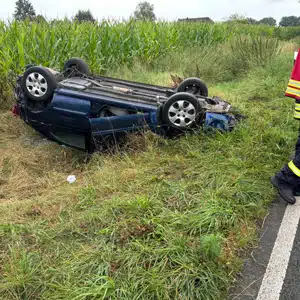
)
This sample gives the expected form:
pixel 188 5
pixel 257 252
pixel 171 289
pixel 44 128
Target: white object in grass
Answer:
pixel 71 178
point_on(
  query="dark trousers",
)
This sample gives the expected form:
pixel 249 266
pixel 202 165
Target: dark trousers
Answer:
pixel 286 175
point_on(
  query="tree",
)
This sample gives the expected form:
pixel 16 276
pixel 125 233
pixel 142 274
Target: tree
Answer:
pixel 289 21
pixel 251 21
pixel 237 18
pixel 24 10
pixel 268 21
pixel 144 12
pixel 241 19
pixel 84 16
pixel 40 19
pixel 65 20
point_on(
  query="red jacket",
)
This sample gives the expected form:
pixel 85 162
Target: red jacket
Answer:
pixel 293 89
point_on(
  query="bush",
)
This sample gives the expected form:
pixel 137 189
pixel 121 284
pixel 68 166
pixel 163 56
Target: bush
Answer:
pixel 251 51
pixel 287 33
pixel 268 82
pixel 207 62
pixel 224 62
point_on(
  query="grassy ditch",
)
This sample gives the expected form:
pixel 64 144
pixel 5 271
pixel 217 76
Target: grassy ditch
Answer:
pixel 158 219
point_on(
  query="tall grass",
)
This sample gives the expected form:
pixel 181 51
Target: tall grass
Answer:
pixel 165 221
pixel 223 62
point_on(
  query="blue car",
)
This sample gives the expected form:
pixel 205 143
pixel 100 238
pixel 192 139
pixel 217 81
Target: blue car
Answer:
pixel 87 112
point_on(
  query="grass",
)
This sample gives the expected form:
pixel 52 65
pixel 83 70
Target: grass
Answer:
pixel 156 219
pixel 159 219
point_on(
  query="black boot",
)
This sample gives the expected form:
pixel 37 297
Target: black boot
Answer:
pixel 297 191
pixel 285 190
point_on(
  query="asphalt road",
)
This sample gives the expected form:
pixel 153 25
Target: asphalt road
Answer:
pixel 272 271
pixel 291 286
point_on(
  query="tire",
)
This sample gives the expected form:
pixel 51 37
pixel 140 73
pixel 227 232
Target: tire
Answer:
pixel 29 66
pixel 182 111
pixel 75 67
pixel 193 86
pixel 38 84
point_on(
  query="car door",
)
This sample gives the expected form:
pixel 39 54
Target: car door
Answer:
pixel 70 124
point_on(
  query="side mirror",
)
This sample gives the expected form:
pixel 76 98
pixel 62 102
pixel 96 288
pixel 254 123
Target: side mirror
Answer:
pixel 295 56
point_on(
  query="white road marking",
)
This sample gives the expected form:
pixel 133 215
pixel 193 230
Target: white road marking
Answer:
pixel 273 280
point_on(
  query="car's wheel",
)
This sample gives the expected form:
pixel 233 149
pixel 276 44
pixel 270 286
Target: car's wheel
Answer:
pixel 38 84
pixel 29 66
pixel 75 67
pixel 182 111
pixel 193 86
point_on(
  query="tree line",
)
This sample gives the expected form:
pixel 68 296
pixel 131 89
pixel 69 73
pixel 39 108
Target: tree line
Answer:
pixel 24 10
pixel 144 11
pixel 284 22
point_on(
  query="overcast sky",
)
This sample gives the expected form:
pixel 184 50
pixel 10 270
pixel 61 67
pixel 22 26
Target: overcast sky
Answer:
pixel 166 9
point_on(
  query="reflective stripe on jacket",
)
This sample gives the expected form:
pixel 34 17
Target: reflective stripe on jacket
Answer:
pixel 293 89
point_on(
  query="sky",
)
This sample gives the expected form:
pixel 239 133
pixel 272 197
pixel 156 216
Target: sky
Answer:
pixel 217 10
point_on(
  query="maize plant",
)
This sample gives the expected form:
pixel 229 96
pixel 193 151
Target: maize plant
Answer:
pixel 107 44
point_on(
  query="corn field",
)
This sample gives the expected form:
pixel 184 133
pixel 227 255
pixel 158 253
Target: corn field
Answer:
pixel 105 45
pixel 108 45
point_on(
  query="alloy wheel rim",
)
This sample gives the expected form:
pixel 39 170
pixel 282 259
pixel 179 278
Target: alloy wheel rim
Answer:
pixel 36 84
pixel 182 113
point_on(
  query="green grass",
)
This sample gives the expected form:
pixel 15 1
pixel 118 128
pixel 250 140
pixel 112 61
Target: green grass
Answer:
pixel 159 219
pixel 156 219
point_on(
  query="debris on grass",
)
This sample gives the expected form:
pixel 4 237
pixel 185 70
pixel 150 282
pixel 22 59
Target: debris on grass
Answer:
pixel 71 178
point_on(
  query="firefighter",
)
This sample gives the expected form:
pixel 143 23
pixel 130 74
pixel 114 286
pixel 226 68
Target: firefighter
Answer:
pixel 288 179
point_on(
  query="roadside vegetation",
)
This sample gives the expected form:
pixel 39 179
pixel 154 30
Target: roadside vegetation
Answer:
pixel 155 219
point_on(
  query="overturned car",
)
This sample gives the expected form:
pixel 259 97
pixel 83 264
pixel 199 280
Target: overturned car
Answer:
pixel 82 111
